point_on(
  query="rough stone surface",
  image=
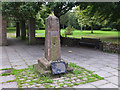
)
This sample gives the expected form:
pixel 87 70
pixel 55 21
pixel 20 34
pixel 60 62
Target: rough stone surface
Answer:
pixel 52 46
pixel 52 39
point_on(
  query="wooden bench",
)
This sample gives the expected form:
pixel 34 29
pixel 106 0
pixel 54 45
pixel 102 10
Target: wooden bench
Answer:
pixel 90 41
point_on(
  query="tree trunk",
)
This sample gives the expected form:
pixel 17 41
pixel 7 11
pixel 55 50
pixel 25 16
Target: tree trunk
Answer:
pixel 3 33
pixel 81 28
pixel 32 31
pixel 63 26
pixel 91 29
pixel 23 30
pixel 17 29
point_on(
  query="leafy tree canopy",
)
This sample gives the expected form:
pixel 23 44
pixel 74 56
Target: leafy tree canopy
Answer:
pixel 21 10
pixel 60 8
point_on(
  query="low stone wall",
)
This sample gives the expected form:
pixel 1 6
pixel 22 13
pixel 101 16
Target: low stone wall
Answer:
pixel 73 42
pixel 111 47
pixel 40 40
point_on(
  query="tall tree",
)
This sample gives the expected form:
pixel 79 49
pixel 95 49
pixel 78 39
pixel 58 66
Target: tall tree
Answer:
pixel 106 10
pixel 22 11
pixel 60 8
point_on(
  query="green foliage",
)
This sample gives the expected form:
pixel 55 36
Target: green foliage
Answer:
pixel 106 29
pixel 21 10
pixel 75 83
pixel 5 74
pixel 60 8
pixel 6 69
pixel 68 31
pixel 73 65
pixel 69 19
pixel 76 71
pixel 47 86
pixel 69 85
pixel 95 75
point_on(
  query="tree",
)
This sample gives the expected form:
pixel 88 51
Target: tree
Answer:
pixel 85 19
pixel 60 8
pixel 22 11
pixel 69 19
pixel 107 11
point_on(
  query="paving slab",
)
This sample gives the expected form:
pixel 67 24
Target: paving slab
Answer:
pixel 103 73
pixel 10 85
pixel 104 64
pixel 113 79
pixel 99 83
pixel 109 85
pixel 84 86
pixel 7 78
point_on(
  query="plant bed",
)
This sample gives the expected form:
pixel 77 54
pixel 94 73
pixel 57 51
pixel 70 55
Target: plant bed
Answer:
pixel 28 78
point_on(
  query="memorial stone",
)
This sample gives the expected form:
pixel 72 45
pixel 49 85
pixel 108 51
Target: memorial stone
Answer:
pixel 52 48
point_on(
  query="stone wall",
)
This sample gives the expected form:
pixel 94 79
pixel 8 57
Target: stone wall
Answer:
pixel 111 47
pixel 73 42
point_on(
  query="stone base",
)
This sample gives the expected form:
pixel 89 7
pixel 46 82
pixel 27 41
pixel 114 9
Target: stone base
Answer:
pixel 44 66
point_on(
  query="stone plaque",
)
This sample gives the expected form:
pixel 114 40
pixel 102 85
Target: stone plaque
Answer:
pixel 58 67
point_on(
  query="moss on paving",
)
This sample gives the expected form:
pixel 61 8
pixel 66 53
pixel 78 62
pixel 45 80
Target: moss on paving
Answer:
pixel 30 77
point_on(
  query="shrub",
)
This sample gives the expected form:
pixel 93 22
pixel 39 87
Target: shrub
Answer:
pixel 11 28
pixel 68 31
pixel 106 29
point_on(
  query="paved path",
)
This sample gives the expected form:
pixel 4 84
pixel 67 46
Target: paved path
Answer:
pixel 19 55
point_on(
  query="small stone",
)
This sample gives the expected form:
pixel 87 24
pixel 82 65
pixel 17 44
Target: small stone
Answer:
pixel 65 85
pixel 28 80
pixel 62 77
pixel 24 86
pixel 84 79
pixel 78 80
pixel 56 79
pixel 34 79
pixel 52 85
pixel 67 82
pixel 60 83
pixel 29 77
pixel 74 78
pixel 29 86
pixel 22 79
pixel 73 81
pixel 33 86
pixel 61 80
pixel 67 78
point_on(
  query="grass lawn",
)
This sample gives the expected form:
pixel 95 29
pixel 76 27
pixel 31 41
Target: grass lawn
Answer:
pixel 109 36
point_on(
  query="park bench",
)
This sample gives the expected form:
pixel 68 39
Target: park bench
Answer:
pixel 90 41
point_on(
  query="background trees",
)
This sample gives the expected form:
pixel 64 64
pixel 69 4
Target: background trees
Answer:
pixel 79 15
pixel 69 20
pixel 107 11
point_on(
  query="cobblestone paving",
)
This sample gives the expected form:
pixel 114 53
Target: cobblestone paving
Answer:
pixel 19 55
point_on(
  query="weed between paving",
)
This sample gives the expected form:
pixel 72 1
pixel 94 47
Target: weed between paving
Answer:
pixel 28 78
